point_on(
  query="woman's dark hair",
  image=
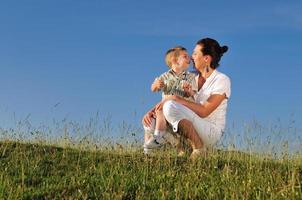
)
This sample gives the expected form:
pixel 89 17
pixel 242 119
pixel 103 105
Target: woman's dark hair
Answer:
pixel 212 48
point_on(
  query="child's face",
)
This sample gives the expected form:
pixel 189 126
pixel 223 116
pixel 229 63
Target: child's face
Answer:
pixel 183 60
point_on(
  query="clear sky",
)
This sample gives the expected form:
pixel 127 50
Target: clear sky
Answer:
pixel 74 58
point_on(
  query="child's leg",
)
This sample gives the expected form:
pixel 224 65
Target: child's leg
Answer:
pixel 161 124
pixel 148 135
pixel 149 131
pixel 161 135
pixel 160 129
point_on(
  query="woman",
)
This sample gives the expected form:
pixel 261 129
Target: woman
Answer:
pixel 202 121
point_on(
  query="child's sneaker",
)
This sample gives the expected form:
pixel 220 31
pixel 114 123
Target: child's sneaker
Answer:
pixel 147 151
pixel 154 143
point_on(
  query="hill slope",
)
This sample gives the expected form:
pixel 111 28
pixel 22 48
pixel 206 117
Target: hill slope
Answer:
pixel 31 171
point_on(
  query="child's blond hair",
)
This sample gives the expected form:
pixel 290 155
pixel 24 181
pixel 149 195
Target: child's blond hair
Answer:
pixel 172 54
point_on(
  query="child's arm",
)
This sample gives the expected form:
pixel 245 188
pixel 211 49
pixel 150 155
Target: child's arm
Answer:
pixel 157 85
pixel 191 86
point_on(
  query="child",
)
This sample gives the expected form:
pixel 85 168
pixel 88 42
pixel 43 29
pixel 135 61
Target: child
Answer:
pixel 176 81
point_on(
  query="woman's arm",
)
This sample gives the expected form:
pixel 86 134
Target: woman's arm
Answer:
pixel 202 110
pixel 147 119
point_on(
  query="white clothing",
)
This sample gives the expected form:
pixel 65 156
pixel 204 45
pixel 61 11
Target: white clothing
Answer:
pixel 175 112
pixel 216 83
pixel 210 128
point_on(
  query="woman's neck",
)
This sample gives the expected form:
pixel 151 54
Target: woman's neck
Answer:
pixel 206 73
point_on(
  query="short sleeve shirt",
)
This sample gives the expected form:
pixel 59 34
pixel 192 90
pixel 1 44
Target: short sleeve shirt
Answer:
pixel 216 83
pixel 174 83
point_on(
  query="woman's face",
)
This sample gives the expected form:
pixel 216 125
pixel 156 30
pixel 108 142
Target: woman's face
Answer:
pixel 198 58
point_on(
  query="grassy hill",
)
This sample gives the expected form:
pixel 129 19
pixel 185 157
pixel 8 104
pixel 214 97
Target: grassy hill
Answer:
pixel 32 171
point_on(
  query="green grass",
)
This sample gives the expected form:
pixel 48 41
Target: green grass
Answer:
pixel 32 171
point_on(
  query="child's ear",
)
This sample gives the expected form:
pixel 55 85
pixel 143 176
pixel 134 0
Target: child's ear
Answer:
pixel 175 60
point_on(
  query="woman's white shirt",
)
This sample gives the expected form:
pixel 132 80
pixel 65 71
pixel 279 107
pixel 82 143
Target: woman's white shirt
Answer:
pixel 216 83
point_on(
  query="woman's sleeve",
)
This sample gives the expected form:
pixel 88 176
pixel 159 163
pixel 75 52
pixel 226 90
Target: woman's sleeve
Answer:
pixel 222 86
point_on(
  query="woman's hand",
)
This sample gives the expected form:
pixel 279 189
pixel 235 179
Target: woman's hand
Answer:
pixel 160 105
pixel 147 119
pixel 188 89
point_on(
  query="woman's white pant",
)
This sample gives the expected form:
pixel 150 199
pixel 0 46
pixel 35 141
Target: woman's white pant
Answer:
pixel 175 112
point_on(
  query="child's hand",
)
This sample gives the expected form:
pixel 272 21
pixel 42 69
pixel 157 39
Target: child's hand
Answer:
pixel 188 88
pixel 158 84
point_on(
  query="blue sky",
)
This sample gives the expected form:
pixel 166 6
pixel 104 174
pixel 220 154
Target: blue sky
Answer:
pixel 72 59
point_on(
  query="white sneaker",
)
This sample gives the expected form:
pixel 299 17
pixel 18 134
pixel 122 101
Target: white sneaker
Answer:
pixel 154 143
pixel 147 151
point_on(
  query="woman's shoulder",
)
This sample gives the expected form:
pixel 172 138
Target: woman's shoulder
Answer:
pixel 222 77
pixel 221 84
